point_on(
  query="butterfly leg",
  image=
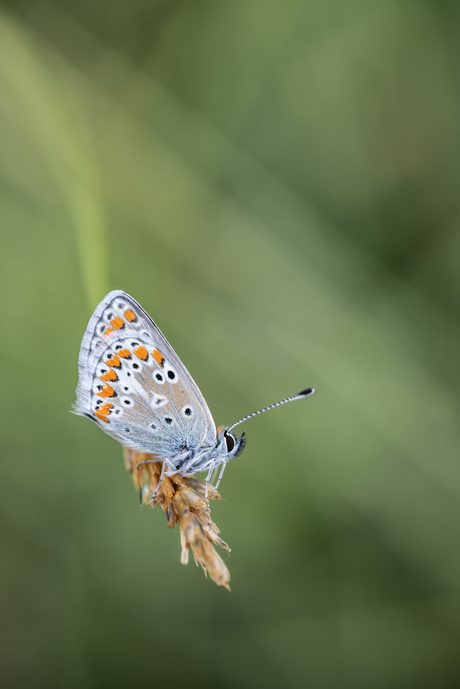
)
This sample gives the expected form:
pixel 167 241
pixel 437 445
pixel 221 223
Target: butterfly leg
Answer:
pixel 159 483
pixel 208 478
pixel 220 478
pixel 214 475
pixel 154 461
pixel 147 461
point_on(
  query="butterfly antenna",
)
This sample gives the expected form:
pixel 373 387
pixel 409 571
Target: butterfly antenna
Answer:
pixel 299 396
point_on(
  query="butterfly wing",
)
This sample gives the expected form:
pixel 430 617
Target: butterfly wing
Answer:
pixel 135 387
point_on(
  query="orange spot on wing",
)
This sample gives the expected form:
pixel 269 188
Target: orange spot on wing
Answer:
pixel 105 409
pixel 108 331
pixel 117 323
pixel 100 416
pixel 124 353
pixel 130 315
pixel 113 361
pixel 110 375
pixel 159 358
pixel 107 391
pixel 141 353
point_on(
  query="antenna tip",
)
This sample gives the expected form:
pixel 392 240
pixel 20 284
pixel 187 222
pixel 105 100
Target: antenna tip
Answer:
pixel 307 392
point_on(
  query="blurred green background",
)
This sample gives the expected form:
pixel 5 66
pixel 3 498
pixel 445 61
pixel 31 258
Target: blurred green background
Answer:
pixel 278 184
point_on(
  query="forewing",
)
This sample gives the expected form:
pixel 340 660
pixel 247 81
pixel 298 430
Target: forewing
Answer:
pixel 135 387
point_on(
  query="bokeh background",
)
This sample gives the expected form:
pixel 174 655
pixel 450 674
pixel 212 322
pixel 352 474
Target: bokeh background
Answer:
pixel 278 184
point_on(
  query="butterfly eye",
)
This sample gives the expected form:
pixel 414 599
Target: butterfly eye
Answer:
pixel 230 440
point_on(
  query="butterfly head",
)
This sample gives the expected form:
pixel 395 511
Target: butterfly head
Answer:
pixel 227 445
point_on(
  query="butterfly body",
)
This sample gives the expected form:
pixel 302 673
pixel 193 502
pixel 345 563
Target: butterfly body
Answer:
pixel 135 387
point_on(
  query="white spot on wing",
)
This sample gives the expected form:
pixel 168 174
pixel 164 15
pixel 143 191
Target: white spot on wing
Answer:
pixel 159 401
pixel 97 386
pixel 109 314
pixel 102 369
pixel 170 374
pixel 158 377
pixel 120 305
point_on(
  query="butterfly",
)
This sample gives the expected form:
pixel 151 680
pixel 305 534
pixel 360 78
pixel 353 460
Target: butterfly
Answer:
pixel 135 387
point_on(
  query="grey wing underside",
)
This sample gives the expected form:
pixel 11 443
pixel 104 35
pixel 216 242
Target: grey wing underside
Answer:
pixel 143 425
